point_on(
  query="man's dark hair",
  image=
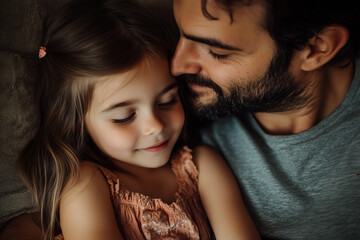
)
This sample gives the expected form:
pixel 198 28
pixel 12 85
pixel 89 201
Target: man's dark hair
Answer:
pixel 291 23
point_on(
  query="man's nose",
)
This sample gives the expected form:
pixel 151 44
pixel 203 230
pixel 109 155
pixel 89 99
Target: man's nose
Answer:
pixel 186 58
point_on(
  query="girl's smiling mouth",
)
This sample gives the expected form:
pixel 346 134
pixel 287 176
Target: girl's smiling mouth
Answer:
pixel 157 147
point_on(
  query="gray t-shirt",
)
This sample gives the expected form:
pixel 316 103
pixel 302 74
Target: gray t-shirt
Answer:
pixel 302 186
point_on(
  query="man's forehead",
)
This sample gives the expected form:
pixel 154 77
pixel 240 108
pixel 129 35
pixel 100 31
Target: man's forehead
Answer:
pixel 230 11
pixel 194 7
pixel 192 21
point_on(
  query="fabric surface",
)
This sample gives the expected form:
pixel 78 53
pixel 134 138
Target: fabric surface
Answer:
pixel 142 217
pixel 20 27
pixel 302 186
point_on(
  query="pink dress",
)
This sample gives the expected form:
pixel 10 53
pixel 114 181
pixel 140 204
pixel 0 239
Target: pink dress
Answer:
pixel 141 217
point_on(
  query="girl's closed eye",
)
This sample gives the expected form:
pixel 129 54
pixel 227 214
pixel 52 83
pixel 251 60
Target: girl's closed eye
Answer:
pixel 125 120
pixel 169 99
pixel 168 103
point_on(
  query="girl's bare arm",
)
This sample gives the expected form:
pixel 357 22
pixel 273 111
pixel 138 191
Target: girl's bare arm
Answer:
pixel 221 197
pixel 86 211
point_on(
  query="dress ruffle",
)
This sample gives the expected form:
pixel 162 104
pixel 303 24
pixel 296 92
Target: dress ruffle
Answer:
pixel 142 217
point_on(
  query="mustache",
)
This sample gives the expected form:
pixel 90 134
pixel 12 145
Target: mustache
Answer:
pixel 196 79
pixel 201 81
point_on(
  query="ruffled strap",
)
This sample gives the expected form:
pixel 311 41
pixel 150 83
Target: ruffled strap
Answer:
pixel 188 178
pixel 186 172
pixel 121 195
pixel 112 179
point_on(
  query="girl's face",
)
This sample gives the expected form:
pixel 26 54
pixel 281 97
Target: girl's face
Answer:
pixel 136 117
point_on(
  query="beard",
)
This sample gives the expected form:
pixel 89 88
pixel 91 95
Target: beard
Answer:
pixel 275 91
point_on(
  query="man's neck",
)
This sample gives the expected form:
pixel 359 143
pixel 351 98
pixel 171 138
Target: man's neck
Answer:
pixel 332 86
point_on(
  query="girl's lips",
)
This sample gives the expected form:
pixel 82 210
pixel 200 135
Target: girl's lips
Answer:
pixel 157 147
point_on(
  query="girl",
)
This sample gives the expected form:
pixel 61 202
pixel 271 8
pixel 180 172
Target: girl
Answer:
pixel 102 164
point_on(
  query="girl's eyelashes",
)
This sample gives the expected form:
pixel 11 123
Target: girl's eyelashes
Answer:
pixel 168 103
pixel 162 105
pixel 124 120
pixel 218 56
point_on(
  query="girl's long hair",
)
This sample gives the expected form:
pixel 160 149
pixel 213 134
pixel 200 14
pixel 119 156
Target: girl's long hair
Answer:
pixel 84 40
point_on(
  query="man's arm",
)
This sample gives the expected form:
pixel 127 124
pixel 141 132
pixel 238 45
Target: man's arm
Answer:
pixel 25 227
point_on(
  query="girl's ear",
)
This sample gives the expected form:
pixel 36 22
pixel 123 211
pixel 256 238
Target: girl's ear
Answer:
pixel 323 47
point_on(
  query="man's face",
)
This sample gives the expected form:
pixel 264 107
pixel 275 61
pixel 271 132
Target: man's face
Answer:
pixel 230 67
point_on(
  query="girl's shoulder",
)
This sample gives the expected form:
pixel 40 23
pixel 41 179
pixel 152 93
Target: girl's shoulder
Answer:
pixel 89 179
pixel 86 205
pixel 88 170
pixel 204 153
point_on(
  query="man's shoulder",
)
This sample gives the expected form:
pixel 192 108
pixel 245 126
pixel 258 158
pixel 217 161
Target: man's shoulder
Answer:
pixel 223 126
pixel 224 133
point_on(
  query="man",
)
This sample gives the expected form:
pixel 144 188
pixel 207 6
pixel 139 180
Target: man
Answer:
pixel 285 76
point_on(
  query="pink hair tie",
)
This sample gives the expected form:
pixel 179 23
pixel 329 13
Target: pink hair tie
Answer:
pixel 42 52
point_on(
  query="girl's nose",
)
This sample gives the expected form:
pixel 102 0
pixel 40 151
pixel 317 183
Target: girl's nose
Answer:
pixel 153 125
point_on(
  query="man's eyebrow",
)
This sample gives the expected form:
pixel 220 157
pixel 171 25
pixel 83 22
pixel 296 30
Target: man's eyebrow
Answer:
pixel 127 103
pixel 211 42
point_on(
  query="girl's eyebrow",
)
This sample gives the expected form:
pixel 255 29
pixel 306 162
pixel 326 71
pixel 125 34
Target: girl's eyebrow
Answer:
pixel 127 103
pixel 117 105
pixel 168 88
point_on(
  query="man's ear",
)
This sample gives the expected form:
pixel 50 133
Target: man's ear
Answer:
pixel 323 47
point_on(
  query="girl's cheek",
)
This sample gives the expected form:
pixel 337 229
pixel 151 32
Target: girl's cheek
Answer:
pixel 179 115
pixel 125 138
